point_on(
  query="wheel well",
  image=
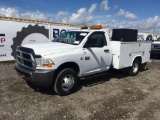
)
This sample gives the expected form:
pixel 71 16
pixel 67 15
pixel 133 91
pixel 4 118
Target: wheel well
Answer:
pixel 72 65
pixel 139 59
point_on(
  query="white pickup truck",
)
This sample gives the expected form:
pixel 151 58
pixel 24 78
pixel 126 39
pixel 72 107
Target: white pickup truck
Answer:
pixel 76 54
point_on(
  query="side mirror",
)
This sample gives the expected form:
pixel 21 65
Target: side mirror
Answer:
pixel 86 46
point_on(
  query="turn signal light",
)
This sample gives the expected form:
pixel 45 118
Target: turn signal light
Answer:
pixel 48 65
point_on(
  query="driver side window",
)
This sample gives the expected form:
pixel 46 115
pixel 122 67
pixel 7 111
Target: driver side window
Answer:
pixel 93 39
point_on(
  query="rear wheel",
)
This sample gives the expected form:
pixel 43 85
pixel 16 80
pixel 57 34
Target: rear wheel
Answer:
pixel 143 66
pixel 134 69
pixel 66 82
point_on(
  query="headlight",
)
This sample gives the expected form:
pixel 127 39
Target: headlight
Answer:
pixel 44 62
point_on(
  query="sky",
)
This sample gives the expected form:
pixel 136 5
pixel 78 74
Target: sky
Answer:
pixel 143 15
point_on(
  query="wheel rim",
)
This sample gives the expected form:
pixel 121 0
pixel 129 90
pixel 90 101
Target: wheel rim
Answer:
pixel 67 82
pixel 135 67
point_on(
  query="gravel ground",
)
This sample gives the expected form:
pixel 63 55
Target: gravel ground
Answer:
pixel 113 96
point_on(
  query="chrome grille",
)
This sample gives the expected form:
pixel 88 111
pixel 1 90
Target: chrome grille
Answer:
pixel 26 59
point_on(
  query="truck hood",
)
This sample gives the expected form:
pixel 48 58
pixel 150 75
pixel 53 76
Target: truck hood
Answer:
pixel 50 48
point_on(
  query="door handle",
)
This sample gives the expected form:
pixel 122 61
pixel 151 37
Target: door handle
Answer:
pixel 106 51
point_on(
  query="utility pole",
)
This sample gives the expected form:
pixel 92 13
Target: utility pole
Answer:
pixel 154 29
pixel 154 32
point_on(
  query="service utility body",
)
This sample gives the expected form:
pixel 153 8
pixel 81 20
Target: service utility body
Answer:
pixel 80 53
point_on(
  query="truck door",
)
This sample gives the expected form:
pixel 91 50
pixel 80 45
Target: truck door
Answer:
pixel 96 58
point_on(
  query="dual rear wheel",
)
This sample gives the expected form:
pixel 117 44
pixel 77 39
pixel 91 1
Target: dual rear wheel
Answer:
pixel 135 68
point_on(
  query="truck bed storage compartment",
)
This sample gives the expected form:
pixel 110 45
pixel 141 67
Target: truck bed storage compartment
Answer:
pixel 125 35
pixel 125 52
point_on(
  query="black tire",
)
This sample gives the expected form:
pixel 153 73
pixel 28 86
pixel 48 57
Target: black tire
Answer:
pixel 17 41
pixel 143 66
pixel 66 82
pixel 134 69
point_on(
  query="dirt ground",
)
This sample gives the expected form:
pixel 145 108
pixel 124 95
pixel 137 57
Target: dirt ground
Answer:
pixel 113 96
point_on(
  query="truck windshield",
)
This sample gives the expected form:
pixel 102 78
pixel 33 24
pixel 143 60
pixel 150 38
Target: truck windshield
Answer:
pixel 71 37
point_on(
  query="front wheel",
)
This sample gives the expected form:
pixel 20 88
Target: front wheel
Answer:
pixel 66 82
pixel 134 69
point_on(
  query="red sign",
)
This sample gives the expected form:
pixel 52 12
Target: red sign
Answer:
pixel 2 40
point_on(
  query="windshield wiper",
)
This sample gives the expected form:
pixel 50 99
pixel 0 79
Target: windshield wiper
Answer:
pixel 73 44
pixel 63 42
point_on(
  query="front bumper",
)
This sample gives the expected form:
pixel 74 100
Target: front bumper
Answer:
pixel 43 78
